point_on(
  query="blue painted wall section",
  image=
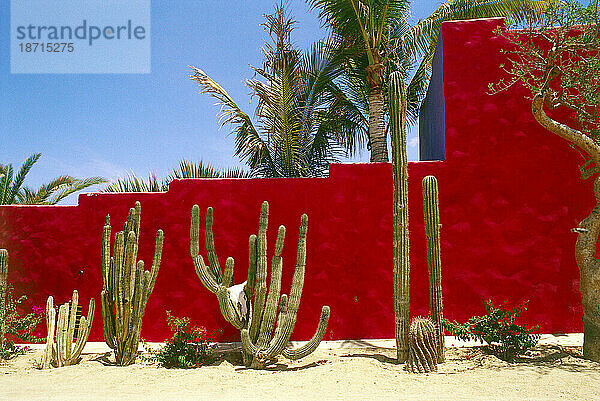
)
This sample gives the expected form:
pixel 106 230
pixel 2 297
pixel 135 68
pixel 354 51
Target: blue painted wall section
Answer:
pixel 432 117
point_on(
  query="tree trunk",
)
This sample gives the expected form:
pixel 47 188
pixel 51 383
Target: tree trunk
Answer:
pixel 588 231
pixel 589 278
pixel 377 136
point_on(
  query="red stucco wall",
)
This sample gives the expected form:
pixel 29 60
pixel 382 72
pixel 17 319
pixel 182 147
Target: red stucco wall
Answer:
pixel 509 195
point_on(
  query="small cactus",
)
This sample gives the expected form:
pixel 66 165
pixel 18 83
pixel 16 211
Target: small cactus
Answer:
pixel 60 350
pixel 3 292
pixel 126 286
pixel 247 306
pixel 422 350
pixel 432 232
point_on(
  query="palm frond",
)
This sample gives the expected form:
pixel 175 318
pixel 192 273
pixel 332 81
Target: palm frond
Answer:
pixel 76 186
pixel 13 191
pixel 133 183
pixel 426 31
pixel 417 88
pixel 20 177
pixel 42 194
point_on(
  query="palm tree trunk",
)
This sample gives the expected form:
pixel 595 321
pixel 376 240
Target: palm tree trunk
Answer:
pixel 377 137
pixel 588 232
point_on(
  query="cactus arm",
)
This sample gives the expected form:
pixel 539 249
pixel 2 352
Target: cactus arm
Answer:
pixel 126 284
pixel 247 344
pixel 432 233
pixel 228 309
pixel 282 335
pixel 131 345
pixel 139 295
pixel 195 232
pixel 314 342
pixel 118 287
pixel 270 311
pixel 283 301
pixel 158 247
pixel 71 322
pixel 228 278
pixel 397 107
pixel 106 233
pixel 80 343
pixel 298 278
pixel 50 325
pixel 209 240
pixel 129 222
pixel 261 273
pixel 61 333
pixel 251 281
pixel 83 332
pixel 108 321
pixel 137 212
pixel 256 316
pixel 204 274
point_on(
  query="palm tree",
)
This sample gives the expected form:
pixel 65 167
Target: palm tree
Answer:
pixel 187 169
pixel 375 37
pixel 12 191
pixel 304 121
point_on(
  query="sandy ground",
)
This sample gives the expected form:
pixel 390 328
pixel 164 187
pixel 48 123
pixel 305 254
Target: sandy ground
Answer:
pixel 347 370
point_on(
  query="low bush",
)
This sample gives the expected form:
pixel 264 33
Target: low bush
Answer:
pixel 188 348
pixel 498 329
pixel 17 326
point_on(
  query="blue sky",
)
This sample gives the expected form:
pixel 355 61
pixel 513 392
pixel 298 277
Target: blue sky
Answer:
pixel 110 124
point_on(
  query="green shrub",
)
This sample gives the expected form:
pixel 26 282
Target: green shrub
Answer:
pixel 498 329
pixel 188 348
pixel 17 326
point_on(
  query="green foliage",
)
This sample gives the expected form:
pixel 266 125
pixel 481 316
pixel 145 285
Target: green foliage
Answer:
pixel 188 348
pixel 12 191
pixel 17 326
pixel 187 169
pixel 557 59
pixel 498 329
pixel 303 120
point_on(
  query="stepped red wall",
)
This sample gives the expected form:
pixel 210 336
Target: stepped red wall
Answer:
pixel 509 191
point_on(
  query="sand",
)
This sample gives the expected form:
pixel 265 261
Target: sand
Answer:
pixel 348 370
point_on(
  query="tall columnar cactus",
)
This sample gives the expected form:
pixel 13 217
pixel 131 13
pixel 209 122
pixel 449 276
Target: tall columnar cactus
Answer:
pixel 431 212
pixel 60 350
pixel 422 354
pixel 126 286
pixel 3 292
pixel 247 306
pixel 397 107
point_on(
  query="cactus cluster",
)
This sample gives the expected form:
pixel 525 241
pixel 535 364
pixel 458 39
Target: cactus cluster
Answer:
pixel 266 318
pixel 60 349
pixel 397 107
pixel 426 337
pixel 3 292
pixel 126 286
pixel 432 232
pixel 423 349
